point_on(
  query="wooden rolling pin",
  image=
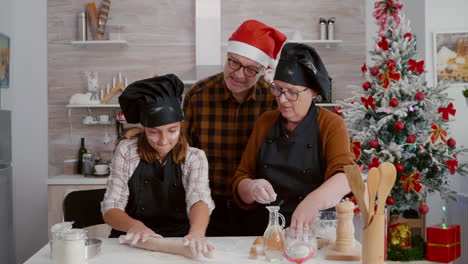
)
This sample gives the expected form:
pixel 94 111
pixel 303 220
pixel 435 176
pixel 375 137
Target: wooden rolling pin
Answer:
pixel 161 245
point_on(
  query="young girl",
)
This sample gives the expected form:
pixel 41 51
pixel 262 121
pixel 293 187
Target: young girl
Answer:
pixel 158 184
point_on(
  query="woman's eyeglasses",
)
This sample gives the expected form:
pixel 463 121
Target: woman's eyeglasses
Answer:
pixel 291 96
pixel 248 71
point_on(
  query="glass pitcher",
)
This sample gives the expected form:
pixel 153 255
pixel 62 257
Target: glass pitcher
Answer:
pixel 274 235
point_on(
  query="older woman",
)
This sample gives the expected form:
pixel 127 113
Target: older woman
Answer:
pixel 158 184
pixel 295 154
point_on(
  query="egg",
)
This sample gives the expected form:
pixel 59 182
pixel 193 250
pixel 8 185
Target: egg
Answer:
pixel 258 241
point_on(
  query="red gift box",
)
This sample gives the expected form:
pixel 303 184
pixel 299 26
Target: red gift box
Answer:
pixel 443 244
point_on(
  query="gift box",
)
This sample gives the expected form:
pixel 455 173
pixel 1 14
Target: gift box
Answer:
pixel 399 234
pixel 443 243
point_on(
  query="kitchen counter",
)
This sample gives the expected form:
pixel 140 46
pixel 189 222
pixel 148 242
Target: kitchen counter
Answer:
pixel 229 250
pixel 76 179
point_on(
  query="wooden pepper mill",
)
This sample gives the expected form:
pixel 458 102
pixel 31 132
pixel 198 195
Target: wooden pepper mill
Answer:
pixel 344 249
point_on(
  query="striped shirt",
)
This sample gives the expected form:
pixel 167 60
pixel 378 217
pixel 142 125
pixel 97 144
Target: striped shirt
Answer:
pixel 126 160
pixel 218 124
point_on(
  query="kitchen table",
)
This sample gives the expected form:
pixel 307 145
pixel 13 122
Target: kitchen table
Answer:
pixel 229 250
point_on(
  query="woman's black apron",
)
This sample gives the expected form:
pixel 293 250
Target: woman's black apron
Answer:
pixel 294 165
pixel 157 198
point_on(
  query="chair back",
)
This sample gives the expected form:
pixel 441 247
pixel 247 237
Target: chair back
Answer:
pixel 83 207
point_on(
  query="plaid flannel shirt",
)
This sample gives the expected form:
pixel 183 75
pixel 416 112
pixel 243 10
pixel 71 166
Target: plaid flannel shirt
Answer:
pixel 216 123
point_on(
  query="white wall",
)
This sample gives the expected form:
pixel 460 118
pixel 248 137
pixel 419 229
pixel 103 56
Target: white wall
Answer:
pixel 440 16
pixel 25 21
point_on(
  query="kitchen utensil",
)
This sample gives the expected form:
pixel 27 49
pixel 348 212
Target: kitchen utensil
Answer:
pixel 345 249
pixel 387 180
pixel 373 241
pixel 353 174
pixel 373 180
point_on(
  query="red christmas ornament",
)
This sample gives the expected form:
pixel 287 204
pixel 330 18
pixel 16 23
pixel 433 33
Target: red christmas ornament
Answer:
pixel 374 71
pixel 394 102
pixel 366 85
pixel 409 36
pixel 451 142
pixel 411 139
pixel 399 167
pixel 390 200
pixel 423 209
pixel 420 96
pixel 374 143
pixel 399 126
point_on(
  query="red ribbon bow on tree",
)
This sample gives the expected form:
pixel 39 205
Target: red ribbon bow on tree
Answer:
pixel 390 75
pixel 368 102
pixel 363 69
pixel 452 164
pixel 449 110
pixel 385 8
pixel 356 149
pixel 418 66
pixel 411 182
pixel 374 164
pixel 438 132
pixel 383 44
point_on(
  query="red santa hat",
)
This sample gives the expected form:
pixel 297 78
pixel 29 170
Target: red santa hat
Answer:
pixel 257 41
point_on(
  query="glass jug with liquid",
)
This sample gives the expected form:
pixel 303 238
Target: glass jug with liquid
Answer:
pixel 274 235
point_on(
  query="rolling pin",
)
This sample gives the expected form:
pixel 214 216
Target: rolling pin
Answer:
pixel 161 245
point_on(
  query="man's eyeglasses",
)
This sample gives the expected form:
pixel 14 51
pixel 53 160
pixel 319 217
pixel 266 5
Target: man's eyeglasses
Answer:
pixel 291 96
pixel 248 71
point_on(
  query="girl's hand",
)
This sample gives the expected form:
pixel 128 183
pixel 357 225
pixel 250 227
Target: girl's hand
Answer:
pixel 198 245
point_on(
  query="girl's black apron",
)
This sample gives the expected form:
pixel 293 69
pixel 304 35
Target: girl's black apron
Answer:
pixel 157 198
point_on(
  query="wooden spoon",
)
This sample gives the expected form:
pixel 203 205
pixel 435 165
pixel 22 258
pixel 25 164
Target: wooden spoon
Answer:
pixel 353 174
pixel 387 180
pixel 373 180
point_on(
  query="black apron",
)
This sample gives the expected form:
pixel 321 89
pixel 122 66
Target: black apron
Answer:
pixel 157 198
pixel 294 165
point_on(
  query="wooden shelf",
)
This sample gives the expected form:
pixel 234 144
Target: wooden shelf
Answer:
pixel 317 41
pixel 94 106
pixel 96 43
pixel 327 104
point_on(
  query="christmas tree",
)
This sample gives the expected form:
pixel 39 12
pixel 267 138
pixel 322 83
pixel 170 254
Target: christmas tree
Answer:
pixel 396 117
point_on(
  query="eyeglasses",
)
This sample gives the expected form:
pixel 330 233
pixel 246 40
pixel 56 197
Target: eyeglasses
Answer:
pixel 248 71
pixel 291 96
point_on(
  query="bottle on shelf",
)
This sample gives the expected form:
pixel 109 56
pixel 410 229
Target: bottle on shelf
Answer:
pixel 81 151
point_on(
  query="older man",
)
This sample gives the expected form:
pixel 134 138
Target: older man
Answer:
pixel 220 112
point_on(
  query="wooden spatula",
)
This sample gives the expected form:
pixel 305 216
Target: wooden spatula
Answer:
pixel 373 179
pixel 387 180
pixel 353 174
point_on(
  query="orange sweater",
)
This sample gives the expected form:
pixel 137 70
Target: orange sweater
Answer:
pixel 335 147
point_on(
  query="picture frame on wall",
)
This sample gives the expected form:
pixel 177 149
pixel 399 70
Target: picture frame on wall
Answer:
pixel 4 61
pixel 451 57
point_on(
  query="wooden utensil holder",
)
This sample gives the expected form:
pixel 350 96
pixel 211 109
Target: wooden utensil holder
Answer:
pixel 373 241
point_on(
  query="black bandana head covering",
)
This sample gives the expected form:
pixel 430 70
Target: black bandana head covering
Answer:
pixel 153 102
pixel 300 64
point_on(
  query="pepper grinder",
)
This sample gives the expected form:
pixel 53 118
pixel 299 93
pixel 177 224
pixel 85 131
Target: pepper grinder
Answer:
pixel 345 249
pixel 330 27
